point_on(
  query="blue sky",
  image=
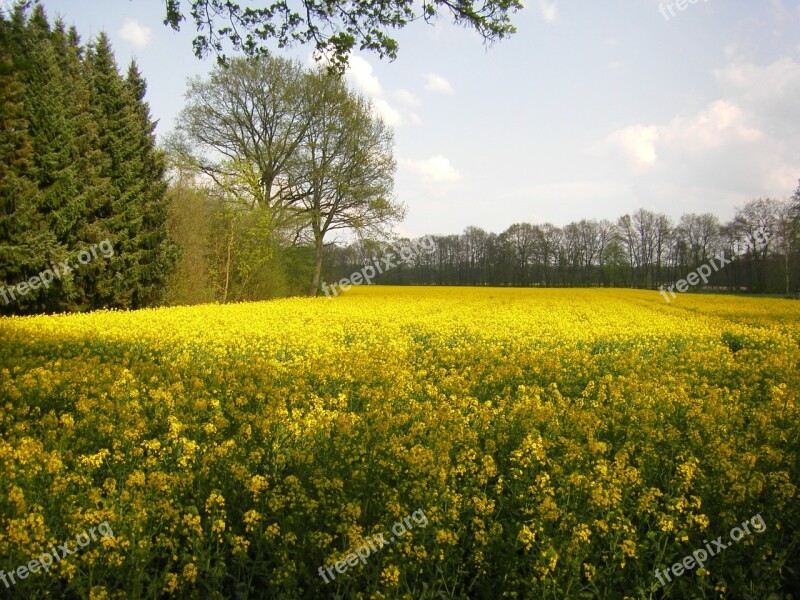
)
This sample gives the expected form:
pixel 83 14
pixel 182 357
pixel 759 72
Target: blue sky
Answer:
pixel 592 109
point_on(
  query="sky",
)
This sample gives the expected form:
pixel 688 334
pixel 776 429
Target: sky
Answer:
pixel 591 110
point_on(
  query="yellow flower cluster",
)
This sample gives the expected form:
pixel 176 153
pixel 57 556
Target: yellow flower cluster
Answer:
pixel 562 444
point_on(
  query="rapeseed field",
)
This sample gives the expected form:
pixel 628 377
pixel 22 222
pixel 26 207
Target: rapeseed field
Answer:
pixel 560 444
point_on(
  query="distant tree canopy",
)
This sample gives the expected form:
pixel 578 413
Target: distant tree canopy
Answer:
pixel 643 249
pixel 78 166
pixel 334 28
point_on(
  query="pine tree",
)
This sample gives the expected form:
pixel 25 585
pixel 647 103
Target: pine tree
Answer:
pixel 160 252
pixel 33 134
pixel 135 214
pixel 78 228
pixel 79 166
pixel 17 190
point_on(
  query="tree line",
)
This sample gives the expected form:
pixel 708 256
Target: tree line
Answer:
pixel 643 250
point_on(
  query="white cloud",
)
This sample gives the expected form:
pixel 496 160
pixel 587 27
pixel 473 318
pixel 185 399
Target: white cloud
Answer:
pixel 414 118
pixel 136 35
pixel 406 97
pixel 721 124
pixel 359 73
pixel 731 51
pixel 390 115
pixel 781 73
pixel 742 143
pixel 769 90
pixel 361 76
pixel 437 83
pixel 548 10
pixel 436 169
pixel 637 143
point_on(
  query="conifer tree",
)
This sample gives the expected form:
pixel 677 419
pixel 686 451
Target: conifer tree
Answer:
pixel 18 192
pixel 29 242
pixel 79 166
pixel 159 251
pixel 115 216
pixel 76 228
pixel 135 212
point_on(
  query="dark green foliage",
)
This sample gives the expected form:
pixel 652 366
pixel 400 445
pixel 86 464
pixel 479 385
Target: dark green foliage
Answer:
pixel 79 166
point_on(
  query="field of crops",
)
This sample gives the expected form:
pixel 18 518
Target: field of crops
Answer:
pixel 533 443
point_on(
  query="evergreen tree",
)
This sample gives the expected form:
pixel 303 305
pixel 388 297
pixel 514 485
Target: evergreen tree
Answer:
pixel 76 228
pixel 18 215
pixel 116 214
pixel 79 166
pixel 135 211
pixel 34 137
pixel 160 253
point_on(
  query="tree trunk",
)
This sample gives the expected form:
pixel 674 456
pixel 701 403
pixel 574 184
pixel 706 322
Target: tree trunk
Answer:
pixel 317 266
pixel 227 269
pixel 786 264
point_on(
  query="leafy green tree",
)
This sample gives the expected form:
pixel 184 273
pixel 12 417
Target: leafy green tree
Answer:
pixel 786 238
pixel 335 29
pixel 241 265
pixel 795 200
pixel 295 144
pixel 345 168
pixel 244 125
pixel 240 130
pixel 794 215
pixel 756 225
pixel 188 227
